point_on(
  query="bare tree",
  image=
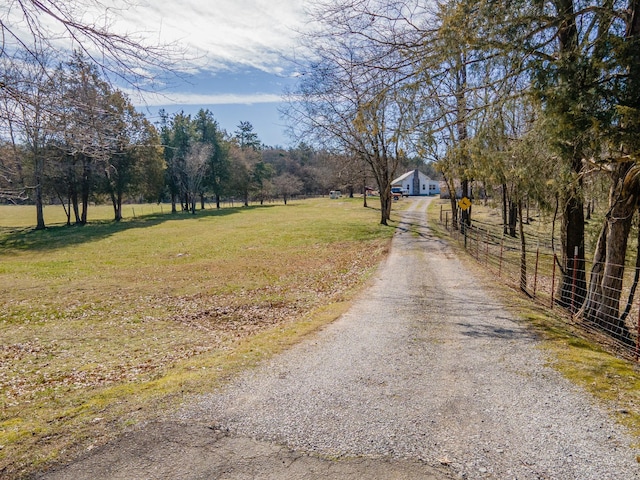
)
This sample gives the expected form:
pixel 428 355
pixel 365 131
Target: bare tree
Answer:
pixel 31 27
pixel 26 120
pixel 351 96
pixel 195 169
pixel 286 185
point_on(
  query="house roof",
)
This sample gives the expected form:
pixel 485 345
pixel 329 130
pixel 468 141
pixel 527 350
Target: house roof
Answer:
pixel 403 177
pixel 410 173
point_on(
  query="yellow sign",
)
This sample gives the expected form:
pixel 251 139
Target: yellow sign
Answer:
pixel 464 203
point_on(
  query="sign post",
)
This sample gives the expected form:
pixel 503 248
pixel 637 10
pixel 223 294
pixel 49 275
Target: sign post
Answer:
pixel 465 204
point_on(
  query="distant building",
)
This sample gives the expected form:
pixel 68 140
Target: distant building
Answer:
pixel 417 183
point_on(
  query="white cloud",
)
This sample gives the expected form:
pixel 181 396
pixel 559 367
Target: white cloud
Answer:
pixel 150 99
pixel 215 34
pixel 220 33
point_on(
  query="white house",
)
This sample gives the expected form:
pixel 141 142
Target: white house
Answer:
pixel 417 183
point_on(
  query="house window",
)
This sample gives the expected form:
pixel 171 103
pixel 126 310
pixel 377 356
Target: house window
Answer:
pixel 423 185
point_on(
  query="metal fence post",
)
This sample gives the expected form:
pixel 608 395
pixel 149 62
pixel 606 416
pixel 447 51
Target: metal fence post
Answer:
pixel 535 272
pixel 574 279
pixel 486 252
pixel 553 280
pixel 501 252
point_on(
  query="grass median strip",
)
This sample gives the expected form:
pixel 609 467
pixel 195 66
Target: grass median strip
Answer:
pixel 105 325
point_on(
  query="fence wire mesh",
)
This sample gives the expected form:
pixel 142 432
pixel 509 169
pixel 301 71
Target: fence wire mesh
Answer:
pixel 601 303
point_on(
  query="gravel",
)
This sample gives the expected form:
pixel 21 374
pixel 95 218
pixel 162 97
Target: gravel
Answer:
pixel 426 366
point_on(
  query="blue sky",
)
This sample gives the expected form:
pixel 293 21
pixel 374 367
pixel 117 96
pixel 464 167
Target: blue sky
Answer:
pixel 248 94
pixel 232 53
pixel 238 50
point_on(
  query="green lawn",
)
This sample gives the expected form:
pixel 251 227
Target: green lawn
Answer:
pixel 106 324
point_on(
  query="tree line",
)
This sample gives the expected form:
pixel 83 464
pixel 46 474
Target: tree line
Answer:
pixel 73 139
pixel 536 101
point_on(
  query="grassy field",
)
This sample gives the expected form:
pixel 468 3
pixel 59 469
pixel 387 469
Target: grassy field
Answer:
pixel 106 325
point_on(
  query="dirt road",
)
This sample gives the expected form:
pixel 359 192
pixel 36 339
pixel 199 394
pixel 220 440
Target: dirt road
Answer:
pixel 426 377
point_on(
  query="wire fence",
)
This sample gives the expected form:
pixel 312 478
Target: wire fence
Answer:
pixel 600 302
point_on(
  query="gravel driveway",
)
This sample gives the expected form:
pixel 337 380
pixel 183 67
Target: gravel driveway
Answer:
pixel 426 376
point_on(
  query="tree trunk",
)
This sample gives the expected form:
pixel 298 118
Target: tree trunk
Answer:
pixel 68 212
pixel 85 188
pixel 364 189
pixel 76 207
pixel 174 209
pixel 385 203
pixel 632 35
pixel 513 218
pixel 634 285
pixel 466 213
pixel 85 207
pixel 573 286
pixel 452 200
pixel 382 173
pixel 461 127
pixel 114 203
pixel 603 302
pixel 119 207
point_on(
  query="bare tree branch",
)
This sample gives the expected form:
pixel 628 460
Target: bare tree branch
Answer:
pixel 37 26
